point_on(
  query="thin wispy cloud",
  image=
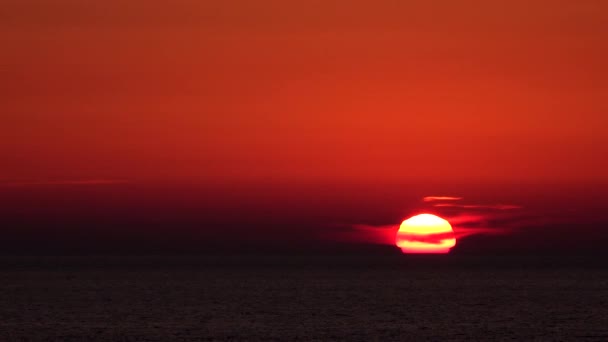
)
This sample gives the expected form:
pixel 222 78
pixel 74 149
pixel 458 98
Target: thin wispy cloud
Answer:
pixel 441 198
pixel 478 206
pixel 77 182
pixel 467 219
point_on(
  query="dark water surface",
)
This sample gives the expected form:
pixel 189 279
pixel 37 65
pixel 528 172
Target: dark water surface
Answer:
pixel 302 298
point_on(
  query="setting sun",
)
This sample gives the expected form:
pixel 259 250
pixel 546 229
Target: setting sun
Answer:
pixel 425 233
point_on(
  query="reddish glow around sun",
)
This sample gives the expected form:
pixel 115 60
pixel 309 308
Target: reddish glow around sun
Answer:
pixel 425 233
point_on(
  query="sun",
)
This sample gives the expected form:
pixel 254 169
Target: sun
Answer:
pixel 425 233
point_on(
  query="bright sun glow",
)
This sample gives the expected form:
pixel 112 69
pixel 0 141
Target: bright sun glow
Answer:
pixel 425 233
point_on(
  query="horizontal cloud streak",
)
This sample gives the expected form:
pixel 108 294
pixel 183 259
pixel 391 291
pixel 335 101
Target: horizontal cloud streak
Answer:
pixel 441 198
pixel 478 206
pixel 426 238
pixel 83 182
pixel 466 220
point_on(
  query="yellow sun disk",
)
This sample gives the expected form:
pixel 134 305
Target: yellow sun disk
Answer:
pixel 425 234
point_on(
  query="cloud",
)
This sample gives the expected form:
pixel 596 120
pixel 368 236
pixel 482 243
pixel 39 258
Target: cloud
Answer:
pixel 79 182
pixel 466 220
pixel 436 238
pixel 478 206
pixel 464 232
pixel 465 206
pixel 441 198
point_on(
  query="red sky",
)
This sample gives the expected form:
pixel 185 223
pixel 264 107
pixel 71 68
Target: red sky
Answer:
pixel 304 91
pixel 290 120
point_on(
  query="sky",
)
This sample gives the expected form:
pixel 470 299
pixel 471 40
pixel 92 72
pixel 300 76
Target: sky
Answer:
pixel 307 105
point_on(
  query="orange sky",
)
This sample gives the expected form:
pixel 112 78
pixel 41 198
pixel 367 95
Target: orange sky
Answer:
pixel 357 91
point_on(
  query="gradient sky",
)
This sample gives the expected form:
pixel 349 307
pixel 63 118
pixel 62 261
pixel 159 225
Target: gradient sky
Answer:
pixel 211 91
pixel 267 93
